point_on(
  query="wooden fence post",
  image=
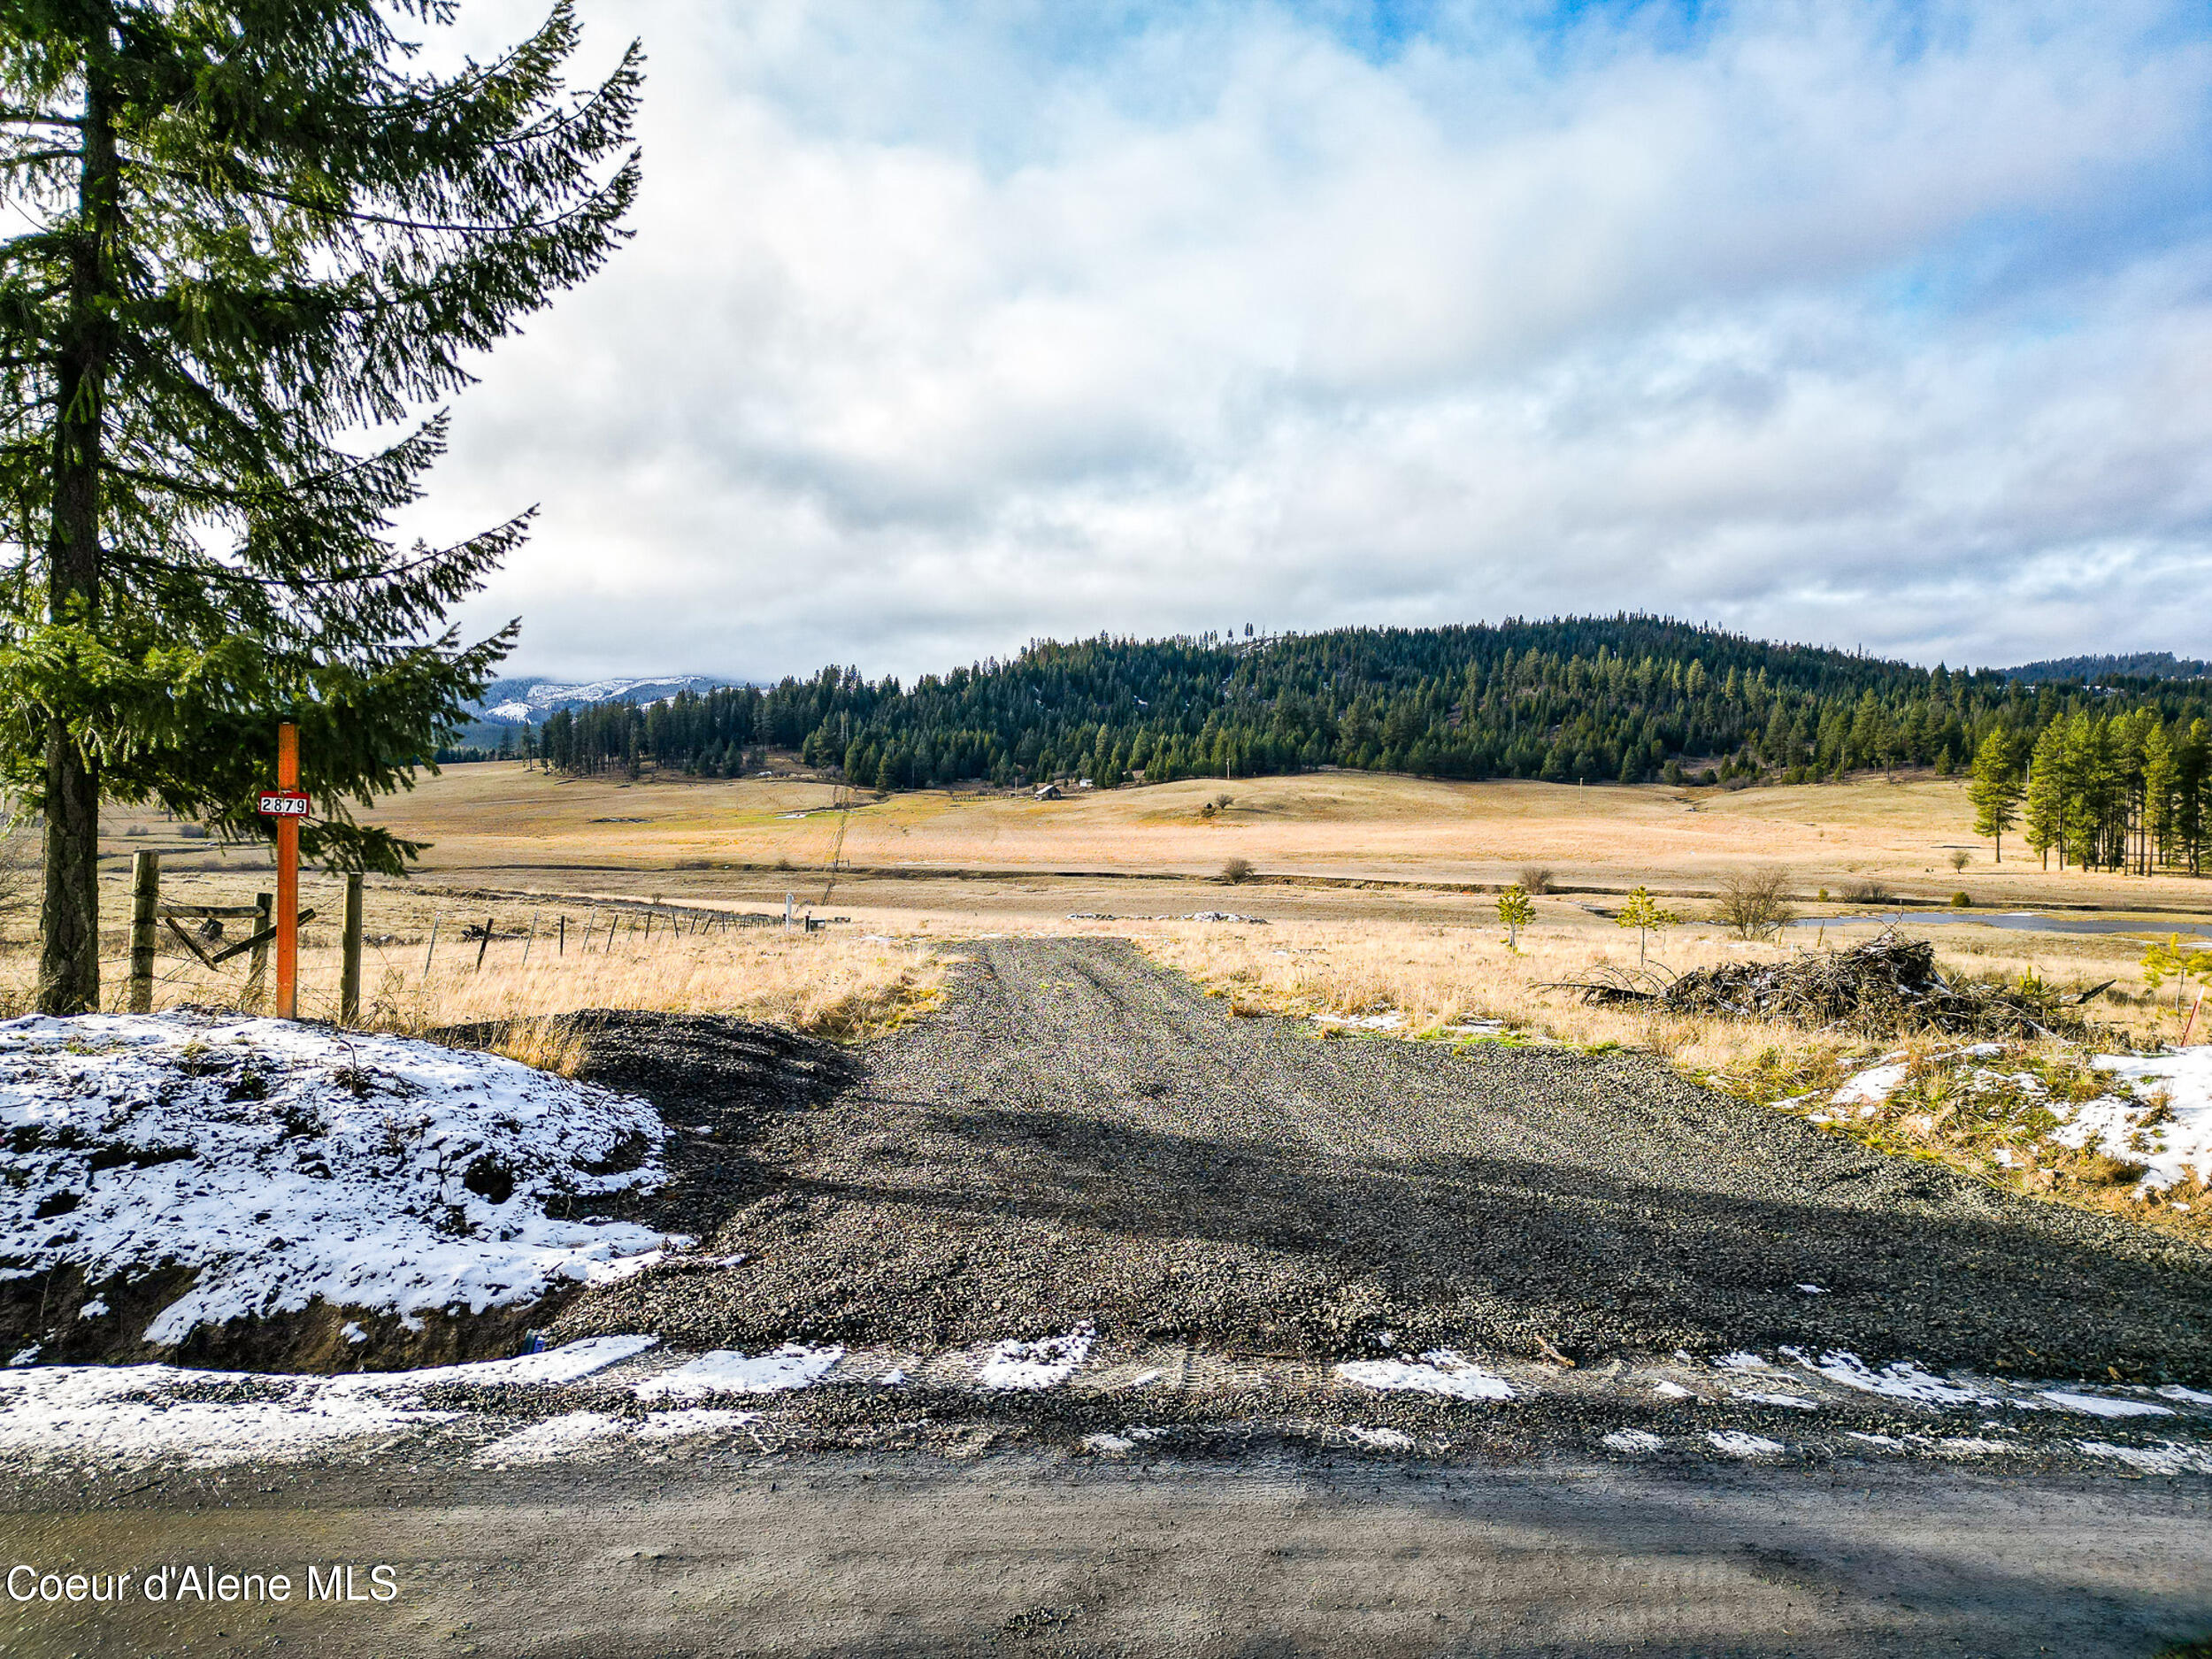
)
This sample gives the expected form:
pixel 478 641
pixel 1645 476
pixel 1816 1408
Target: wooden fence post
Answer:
pixel 531 941
pixel 145 900
pixel 484 944
pixel 258 959
pixel 561 948
pixel 433 950
pixel 349 959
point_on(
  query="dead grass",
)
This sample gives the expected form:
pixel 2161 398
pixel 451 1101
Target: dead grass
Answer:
pixel 499 817
pixel 837 986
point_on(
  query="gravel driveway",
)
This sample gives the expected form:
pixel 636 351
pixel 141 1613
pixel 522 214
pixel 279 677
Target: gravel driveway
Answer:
pixel 1079 1136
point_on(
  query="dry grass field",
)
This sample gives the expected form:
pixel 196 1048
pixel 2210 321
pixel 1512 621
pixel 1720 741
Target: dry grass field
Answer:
pixel 1378 893
pixel 1338 826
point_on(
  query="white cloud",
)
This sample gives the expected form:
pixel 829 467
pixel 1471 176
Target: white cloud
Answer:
pixel 942 330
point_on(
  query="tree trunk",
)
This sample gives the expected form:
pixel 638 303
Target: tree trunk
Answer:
pixel 69 922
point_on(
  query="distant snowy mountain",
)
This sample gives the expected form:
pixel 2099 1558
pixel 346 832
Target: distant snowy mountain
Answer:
pixel 528 700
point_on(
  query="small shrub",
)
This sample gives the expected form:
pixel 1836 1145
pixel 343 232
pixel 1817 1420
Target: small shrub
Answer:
pixel 1866 890
pixel 192 832
pixel 1959 902
pixel 1536 879
pixel 1961 858
pixel 1823 895
pixel 1755 904
pixel 1236 871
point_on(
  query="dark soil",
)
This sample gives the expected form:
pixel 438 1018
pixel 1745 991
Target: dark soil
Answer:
pixel 1079 1136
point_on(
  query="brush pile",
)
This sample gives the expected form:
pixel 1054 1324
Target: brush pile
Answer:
pixel 1889 987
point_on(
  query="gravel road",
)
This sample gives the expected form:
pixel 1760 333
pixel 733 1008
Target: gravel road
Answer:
pixel 1079 1136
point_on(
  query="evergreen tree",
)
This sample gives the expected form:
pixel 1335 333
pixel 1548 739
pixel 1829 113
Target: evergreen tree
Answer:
pixel 2161 781
pixel 1516 910
pixel 2047 794
pixel 1646 916
pixel 255 228
pixel 1995 790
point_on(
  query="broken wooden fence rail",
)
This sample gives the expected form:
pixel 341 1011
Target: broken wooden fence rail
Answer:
pixel 259 941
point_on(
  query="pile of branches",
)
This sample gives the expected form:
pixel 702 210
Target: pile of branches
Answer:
pixel 1889 987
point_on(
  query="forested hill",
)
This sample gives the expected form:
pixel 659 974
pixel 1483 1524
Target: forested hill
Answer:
pixel 1628 697
pixel 2113 671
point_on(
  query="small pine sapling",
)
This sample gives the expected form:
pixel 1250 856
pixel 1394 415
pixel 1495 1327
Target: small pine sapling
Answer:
pixel 2170 958
pixel 1648 917
pixel 1516 911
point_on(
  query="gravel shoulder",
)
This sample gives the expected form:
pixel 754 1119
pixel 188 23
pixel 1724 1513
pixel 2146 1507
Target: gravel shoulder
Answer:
pixel 1079 1136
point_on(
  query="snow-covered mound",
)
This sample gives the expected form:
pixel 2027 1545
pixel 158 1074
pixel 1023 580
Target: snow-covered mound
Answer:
pixel 286 1163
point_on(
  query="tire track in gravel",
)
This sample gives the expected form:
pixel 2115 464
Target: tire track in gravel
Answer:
pixel 1078 1135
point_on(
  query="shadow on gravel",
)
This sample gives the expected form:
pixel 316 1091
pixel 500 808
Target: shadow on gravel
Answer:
pixel 1171 1237
pixel 1083 1138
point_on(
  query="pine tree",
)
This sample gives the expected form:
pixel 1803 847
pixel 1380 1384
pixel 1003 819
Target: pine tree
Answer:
pixel 2192 794
pixel 2161 776
pixel 1646 916
pixel 255 229
pixel 1995 790
pixel 1516 910
pixel 2047 794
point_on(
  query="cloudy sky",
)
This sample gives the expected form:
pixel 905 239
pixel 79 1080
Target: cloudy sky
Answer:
pixel 947 325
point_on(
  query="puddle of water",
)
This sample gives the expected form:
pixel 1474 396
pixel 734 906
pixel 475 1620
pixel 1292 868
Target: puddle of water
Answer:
pixel 2012 921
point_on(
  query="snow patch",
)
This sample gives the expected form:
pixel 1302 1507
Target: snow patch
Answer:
pixel 551 1367
pixel 1045 1363
pixel 2168 1457
pixel 727 1371
pixel 1735 1443
pixel 1440 1371
pixel 157 1414
pixel 1380 1439
pixel 1634 1440
pixel 2188 1396
pixel 2098 1406
pixel 1797 1402
pixel 1871 1086
pixel 692 1422
pixel 1667 1390
pixel 575 1434
pixel 288 1163
pixel 2180 1150
pixel 1903 1380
